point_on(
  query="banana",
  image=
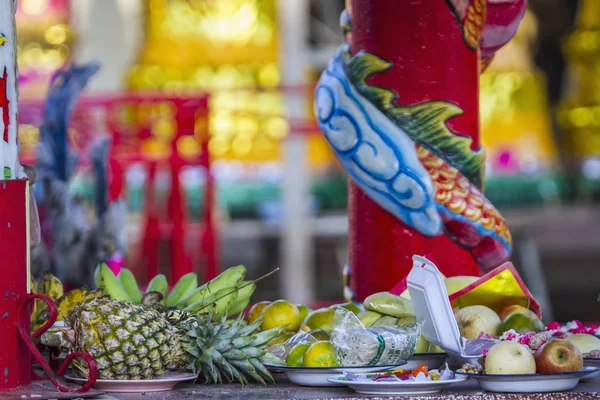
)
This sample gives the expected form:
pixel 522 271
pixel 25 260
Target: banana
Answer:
pixel 368 318
pixel 218 302
pixel 184 287
pixel 228 279
pixel 98 278
pixel 386 320
pixel 389 304
pixel 246 289
pixel 112 285
pixel 159 284
pixel 130 285
pixel 197 295
pixel 50 286
pixel 67 303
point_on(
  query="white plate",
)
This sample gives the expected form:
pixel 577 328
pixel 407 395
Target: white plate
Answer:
pixel 432 360
pixel 591 362
pixel 398 388
pixel 530 383
pixel 161 384
pixel 305 376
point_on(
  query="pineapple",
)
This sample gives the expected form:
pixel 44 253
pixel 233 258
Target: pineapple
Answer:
pixel 131 341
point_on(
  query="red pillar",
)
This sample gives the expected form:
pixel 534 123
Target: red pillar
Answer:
pixel 433 48
pixel 15 358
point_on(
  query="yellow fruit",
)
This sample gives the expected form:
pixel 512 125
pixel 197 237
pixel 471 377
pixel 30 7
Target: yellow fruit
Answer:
pixel 279 313
pixel 320 334
pixel 321 319
pixel 281 339
pixel 304 311
pixel 321 355
pixel 304 328
pixel 256 310
pixel 296 356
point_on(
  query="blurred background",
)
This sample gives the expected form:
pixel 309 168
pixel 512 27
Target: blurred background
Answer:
pixel 208 106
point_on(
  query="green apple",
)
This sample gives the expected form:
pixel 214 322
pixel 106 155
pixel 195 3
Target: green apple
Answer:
pixel 515 308
pixel 509 358
pixel 521 323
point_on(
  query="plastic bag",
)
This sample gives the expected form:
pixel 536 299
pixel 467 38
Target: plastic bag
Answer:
pixel 281 351
pixel 379 345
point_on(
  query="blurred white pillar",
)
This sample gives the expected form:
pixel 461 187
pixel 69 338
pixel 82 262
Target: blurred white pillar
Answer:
pixel 296 276
pixel 110 31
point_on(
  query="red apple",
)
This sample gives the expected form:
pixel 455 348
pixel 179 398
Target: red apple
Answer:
pixel 558 356
pixel 515 308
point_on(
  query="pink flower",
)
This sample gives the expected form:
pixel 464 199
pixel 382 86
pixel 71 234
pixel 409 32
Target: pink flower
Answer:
pixel 552 326
pixel 484 352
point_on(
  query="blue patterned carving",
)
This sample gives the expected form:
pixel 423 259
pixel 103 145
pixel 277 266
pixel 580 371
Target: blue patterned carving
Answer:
pixel 378 155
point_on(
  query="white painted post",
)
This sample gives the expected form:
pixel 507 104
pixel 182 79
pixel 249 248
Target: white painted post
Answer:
pixel 296 275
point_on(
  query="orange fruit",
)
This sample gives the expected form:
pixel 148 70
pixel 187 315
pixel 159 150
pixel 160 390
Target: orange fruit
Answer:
pixel 321 355
pixel 320 334
pixel 320 319
pixel 281 339
pixel 279 313
pixel 256 310
pixel 304 311
pixel 296 355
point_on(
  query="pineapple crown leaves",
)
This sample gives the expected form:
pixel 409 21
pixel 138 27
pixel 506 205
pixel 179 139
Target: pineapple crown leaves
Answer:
pixel 227 352
pixel 424 122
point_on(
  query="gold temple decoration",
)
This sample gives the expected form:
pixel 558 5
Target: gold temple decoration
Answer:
pixel 229 48
pixel 579 114
pixel 516 126
pixel 45 38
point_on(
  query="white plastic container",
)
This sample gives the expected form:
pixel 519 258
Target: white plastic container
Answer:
pixel 431 304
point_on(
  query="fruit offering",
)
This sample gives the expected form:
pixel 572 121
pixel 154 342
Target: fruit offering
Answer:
pixel 227 294
pixel 528 353
pixel 131 341
pixel 480 321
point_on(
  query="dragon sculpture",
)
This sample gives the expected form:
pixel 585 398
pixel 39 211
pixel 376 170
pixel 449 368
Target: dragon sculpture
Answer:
pixel 401 116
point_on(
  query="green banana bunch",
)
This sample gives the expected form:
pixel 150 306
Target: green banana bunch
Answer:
pixel 183 289
pixel 160 285
pixel 227 294
pixel 112 285
pixel 245 291
pixel 130 285
pixel 228 279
